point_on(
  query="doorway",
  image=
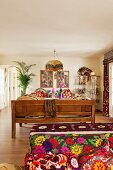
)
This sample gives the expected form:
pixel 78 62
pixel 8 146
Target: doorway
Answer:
pixel 9 89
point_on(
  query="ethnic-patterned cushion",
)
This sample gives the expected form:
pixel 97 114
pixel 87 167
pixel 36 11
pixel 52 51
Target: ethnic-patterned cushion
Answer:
pixel 40 92
pixel 98 162
pixel 101 159
pixel 66 93
pixel 52 162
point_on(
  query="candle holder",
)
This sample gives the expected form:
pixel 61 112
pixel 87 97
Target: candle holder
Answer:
pixel 60 93
pixel 53 93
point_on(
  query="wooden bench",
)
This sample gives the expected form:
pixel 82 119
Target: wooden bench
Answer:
pixel 34 111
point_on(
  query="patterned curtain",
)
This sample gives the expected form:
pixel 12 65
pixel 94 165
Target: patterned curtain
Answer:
pixel 108 58
pixel 106 90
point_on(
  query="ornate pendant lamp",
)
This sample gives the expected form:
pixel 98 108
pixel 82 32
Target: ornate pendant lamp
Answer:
pixel 54 65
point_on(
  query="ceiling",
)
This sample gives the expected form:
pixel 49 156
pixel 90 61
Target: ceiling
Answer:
pixel 73 27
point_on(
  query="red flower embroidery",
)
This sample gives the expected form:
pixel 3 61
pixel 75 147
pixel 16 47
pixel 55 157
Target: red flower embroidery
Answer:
pixel 110 139
pixel 54 142
pixel 87 149
pixel 111 145
pixel 69 141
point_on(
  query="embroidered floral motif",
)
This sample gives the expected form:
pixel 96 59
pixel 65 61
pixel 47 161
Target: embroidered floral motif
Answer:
pixel 99 142
pixel 99 165
pixel 39 140
pixel 76 150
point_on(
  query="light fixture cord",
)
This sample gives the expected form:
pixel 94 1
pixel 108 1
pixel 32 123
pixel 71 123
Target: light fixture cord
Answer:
pixel 54 54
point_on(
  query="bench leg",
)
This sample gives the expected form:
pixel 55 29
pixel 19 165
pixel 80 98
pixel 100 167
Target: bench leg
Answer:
pixel 20 124
pixel 13 129
pixel 93 114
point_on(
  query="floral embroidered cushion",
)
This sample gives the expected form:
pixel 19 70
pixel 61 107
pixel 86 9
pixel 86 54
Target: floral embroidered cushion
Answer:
pixel 40 92
pixel 52 162
pixel 66 93
pixel 67 143
pixel 101 159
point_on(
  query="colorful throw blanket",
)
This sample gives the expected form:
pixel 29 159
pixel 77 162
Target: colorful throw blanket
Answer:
pixel 70 146
pixel 69 137
pixel 100 159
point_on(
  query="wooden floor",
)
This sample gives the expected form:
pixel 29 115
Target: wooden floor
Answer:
pixel 14 150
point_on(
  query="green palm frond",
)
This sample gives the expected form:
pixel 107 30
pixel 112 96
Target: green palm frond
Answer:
pixel 23 74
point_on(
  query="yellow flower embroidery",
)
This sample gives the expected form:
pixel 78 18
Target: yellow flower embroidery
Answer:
pixel 62 127
pixel 39 140
pixel 98 165
pixel 107 135
pixel 99 142
pixel 31 167
pixel 76 150
pixel 74 134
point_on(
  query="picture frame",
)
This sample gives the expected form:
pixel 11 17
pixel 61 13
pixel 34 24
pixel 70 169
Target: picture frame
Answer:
pixel 46 79
pixel 62 79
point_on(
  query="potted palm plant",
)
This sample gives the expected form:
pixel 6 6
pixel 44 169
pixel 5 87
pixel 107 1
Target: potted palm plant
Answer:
pixel 24 76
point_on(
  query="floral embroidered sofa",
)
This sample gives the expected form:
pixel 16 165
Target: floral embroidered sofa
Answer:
pixel 63 147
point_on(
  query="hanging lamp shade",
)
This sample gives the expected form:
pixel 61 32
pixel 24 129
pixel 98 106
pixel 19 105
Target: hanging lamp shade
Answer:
pixel 54 65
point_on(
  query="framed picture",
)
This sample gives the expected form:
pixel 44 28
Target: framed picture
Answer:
pixel 46 79
pixel 62 79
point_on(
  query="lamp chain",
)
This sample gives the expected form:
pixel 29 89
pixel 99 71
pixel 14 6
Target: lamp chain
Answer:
pixel 54 54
